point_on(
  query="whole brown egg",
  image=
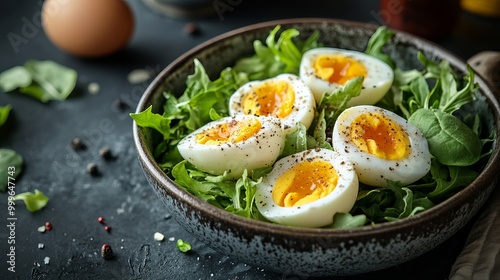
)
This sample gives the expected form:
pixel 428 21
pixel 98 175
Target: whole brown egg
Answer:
pixel 88 28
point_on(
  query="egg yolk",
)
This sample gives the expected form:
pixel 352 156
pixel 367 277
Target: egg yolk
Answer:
pixel 306 182
pixel 338 68
pixel 378 135
pixel 272 98
pixel 230 132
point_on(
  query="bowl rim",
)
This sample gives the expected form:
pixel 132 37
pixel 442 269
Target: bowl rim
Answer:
pixel 489 175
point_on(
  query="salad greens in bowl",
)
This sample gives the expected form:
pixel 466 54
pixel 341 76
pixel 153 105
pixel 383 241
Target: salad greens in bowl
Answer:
pixel 319 146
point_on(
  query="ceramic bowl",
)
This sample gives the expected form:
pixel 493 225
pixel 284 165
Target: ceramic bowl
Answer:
pixel 300 251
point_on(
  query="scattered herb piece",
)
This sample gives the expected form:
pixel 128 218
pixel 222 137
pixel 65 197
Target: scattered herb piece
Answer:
pixel 33 201
pixel 4 114
pixel 11 163
pixel 43 80
pixel 106 252
pixel 183 246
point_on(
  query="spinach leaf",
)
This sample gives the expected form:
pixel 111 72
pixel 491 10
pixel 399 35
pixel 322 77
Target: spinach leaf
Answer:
pixel 449 139
pixel 11 164
pixel 43 80
pixel 33 201
pixel 56 81
pixel 15 77
pixel 4 114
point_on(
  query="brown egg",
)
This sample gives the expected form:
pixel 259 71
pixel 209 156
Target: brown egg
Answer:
pixel 88 28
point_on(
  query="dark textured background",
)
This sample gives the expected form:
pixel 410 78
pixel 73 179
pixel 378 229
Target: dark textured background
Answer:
pixel 42 133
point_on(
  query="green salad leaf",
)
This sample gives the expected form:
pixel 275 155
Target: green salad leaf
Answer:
pixel 4 113
pixel 33 201
pixel 277 56
pixel 347 221
pixel 43 80
pixel 15 77
pixel 376 44
pixel 11 164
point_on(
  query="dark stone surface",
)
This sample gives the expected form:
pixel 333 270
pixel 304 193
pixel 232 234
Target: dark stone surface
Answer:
pixel 42 134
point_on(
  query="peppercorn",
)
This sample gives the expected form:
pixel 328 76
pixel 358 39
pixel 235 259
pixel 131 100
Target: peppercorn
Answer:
pixel 105 153
pixel 48 226
pixel 191 28
pixel 107 228
pixel 120 105
pixel 101 220
pixel 106 252
pixel 92 169
pixel 77 144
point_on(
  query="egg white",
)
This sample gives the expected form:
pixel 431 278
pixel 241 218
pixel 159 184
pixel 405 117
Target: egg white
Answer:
pixel 372 170
pixel 303 106
pixel 260 150
pixel 375 85
pixel 316 213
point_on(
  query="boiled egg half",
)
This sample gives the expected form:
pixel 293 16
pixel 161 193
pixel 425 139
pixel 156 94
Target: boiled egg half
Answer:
pixel 327 69
pixel 381 145
pixel 307 189
pixel 234 144
pixel 285 97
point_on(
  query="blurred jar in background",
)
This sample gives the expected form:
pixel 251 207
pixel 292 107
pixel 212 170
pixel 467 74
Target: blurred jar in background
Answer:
pixel 489 8
pixel 426 18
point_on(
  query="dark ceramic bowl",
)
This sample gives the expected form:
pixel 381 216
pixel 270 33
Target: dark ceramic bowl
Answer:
pixel 303 251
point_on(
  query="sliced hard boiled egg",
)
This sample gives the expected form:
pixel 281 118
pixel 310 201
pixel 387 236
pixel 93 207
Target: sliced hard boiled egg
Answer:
pixel 327 69
pixel 307 189
pixel 284 96
pixel 381 145
pixel 234 144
